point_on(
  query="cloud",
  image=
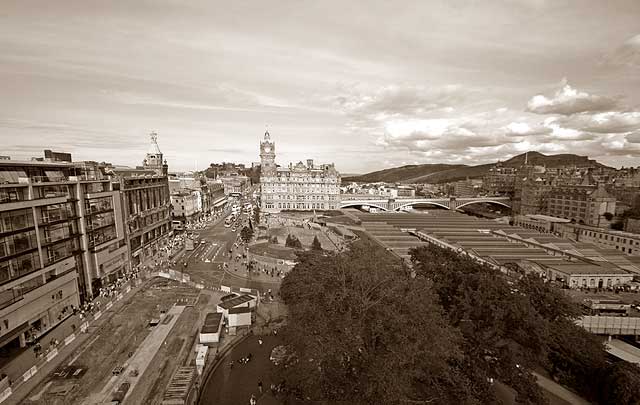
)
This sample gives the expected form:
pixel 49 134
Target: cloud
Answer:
pixel 525 129
pixel 429 135
pixel 567 101
pixel 626 55
pixel 397 100
pixel 633 137
pixel 607 122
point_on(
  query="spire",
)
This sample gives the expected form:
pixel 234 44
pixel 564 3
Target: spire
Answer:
pixel 266 135
pixel 154 149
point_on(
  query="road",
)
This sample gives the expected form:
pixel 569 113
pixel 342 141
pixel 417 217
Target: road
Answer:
pixel 234 385
pixel 205 262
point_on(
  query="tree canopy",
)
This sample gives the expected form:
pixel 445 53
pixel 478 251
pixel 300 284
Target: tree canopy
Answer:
pixel 368 330
pixel 364 333
pixel 246 234
pixel 293 242
pixel 513 324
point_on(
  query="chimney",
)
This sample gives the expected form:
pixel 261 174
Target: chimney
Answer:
pixel 309 163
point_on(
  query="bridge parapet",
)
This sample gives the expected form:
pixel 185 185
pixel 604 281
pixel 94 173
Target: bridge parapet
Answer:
pixel 399 203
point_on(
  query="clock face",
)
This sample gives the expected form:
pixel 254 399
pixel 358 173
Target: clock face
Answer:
pixel 267 149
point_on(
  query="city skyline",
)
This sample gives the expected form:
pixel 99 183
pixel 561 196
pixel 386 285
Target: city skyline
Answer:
pixel 443 82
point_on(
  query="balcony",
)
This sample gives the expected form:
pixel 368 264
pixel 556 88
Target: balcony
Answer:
pixel 50 179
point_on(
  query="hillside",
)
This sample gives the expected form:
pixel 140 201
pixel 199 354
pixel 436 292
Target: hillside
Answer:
pixel 443 173
pixel 398 174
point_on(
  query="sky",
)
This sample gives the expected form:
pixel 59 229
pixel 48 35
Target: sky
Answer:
pixel 365 84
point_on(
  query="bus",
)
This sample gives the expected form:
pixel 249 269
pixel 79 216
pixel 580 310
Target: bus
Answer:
pixel 188 243
pixel 177 225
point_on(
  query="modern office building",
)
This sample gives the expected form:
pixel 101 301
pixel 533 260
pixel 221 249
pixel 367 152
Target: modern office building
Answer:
pixel 60 236
pixel 297 187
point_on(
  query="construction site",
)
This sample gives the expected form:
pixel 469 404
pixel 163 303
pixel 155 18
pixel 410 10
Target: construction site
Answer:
pixel 132 356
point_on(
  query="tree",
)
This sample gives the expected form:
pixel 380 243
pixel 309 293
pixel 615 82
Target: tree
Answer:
pixel 620 384
pixel 363 332
pixel 315 245
pixel 293 242
pixel 504 334
pixel 246 234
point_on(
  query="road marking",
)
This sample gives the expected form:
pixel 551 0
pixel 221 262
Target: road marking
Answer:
pixel 42 391
pixel 83 350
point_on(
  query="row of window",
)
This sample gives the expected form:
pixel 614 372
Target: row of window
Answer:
pixel 16 220
pixel 13 244
pixel 19 266
pixel 300 206
pixel 12 194
pixel 56 212
pixel 102 235
pixel 8 297
pixel 96 205
pixel 146 199
pixel 611 237
pixel 100 220
pixel 329 197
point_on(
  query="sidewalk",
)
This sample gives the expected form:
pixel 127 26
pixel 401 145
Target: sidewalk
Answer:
pixel 27 371
pixel 559 390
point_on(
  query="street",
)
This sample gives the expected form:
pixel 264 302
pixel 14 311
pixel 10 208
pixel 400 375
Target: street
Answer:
pixel 205 262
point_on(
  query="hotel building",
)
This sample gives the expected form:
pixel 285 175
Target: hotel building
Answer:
pixel 298 187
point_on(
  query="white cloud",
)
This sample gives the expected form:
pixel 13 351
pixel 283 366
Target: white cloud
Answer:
pixel 567 101
pixel 607 122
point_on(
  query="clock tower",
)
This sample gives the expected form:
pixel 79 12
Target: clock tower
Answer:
pixel 267 156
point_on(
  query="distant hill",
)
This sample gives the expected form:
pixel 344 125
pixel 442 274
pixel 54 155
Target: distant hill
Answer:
pixel 443 173
pixel 398 174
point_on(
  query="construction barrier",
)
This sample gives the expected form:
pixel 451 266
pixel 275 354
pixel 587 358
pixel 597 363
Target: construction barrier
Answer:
pixel 29 373
pixel 5 394
pixel 50 356
pixel 69 339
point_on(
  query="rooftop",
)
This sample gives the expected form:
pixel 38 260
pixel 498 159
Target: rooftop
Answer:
pixel 584 268
pixel 234 302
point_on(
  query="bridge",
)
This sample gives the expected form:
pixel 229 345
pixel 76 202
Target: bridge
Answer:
pixel 397 204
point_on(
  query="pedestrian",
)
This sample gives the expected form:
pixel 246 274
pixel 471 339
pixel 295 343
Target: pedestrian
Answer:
pixel 260 386
pixel 260 342
pixel 252 400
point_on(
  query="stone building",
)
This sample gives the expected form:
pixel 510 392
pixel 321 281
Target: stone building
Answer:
pixel 146 205
pixel 301 186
